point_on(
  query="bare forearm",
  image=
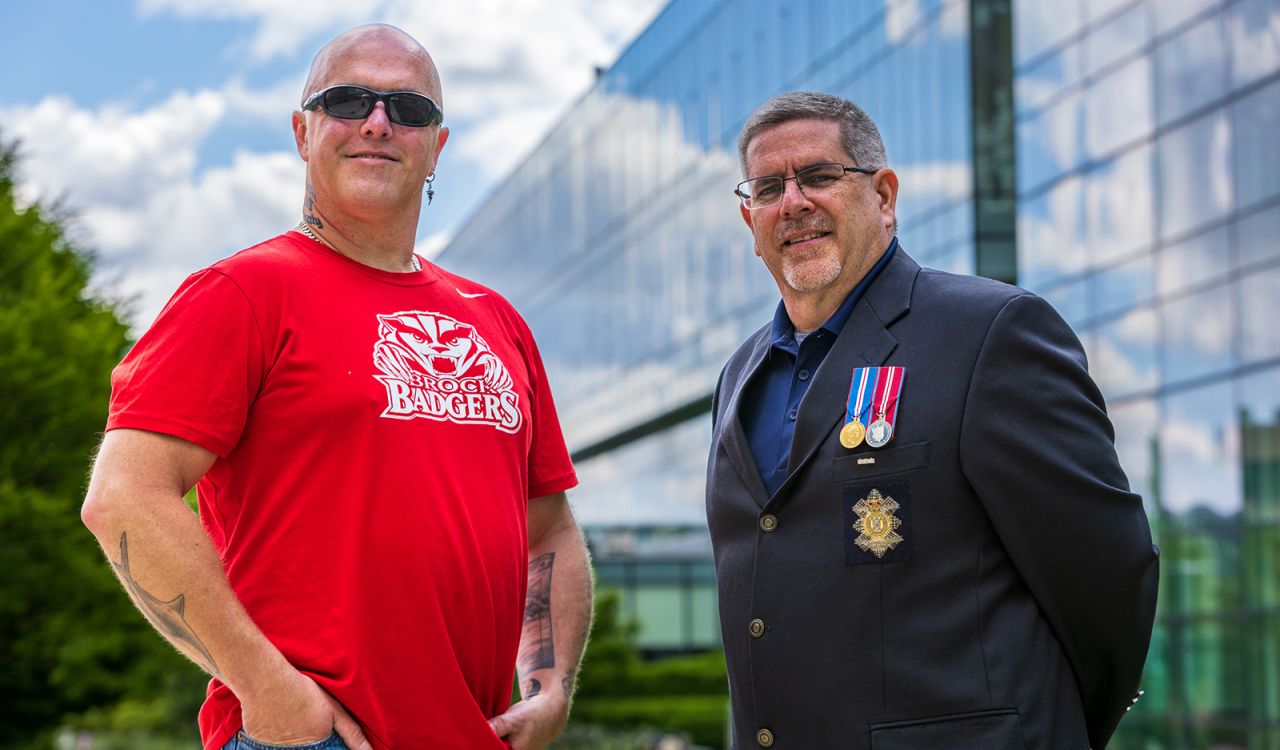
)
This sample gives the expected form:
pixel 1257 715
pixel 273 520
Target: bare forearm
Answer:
pixel 557 614
pixel 172 573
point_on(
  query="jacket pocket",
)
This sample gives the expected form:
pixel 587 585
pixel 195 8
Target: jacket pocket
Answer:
pixel 852 467
pixel 998 729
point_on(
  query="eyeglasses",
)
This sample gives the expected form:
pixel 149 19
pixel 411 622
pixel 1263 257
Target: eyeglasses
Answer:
pixel 766 191
pixel 356 102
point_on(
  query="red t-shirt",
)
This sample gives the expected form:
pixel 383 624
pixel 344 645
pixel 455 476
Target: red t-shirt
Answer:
pixel 378 438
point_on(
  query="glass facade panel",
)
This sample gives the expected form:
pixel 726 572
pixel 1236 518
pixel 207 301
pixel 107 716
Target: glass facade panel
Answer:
pixel 1253 37
pixel 1051 235
pixel 1198 333
pixel 1117 37
pixel 1260 315
pixel 1120 109
pixel 1120 206
pixel 1170 14
pixel 1193 262
pixel 1256 120
pixel 1124 287
pixel 1124 353
pixel 1258 236
pixel 1038 27
pixel 1191 70
pixel 1195 174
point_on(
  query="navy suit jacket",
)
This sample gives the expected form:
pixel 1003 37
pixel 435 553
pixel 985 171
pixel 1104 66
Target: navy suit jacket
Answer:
pixel 1016 611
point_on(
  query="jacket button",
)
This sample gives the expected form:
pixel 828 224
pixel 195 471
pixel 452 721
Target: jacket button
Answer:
pixel 756 628
pixel 768 522
pixel 764 738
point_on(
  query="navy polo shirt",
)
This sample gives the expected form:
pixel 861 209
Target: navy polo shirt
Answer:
pixel 772 399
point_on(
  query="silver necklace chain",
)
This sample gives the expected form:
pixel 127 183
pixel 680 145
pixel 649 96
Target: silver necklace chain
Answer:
pixel 306 229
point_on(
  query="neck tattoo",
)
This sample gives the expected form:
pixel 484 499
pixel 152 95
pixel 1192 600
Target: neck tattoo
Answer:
pixel 304 228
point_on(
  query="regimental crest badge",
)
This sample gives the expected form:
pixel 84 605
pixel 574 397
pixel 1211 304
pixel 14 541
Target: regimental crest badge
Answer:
pixel 438 368
pixel 877 526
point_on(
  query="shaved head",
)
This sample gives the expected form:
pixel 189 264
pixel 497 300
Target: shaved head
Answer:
pixel 376 39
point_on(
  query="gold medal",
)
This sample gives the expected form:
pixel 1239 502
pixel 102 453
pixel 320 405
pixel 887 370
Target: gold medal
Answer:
pixel 852 433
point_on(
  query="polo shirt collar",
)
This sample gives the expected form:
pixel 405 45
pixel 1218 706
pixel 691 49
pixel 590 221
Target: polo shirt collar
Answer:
pixel 782 334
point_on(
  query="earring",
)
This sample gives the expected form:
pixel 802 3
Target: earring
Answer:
pixel 430 193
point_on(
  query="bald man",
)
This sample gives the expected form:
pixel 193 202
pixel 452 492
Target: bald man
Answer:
pixel 383 537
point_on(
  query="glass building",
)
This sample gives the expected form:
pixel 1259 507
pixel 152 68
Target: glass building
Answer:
pixel 1119 157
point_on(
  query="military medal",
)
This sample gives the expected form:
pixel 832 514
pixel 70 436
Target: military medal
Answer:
pixel 853 431
pixel 887 390
pixel 880 434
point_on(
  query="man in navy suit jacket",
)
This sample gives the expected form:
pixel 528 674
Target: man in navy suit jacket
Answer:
pixel 964 567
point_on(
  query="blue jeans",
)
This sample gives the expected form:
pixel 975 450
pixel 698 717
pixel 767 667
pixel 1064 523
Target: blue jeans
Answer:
pixel 243 741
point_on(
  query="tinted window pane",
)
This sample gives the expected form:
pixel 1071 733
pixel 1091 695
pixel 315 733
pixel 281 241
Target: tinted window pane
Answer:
pixel 1195 174
pixel 1191 70
pixel 1257 133
pixel 1198 332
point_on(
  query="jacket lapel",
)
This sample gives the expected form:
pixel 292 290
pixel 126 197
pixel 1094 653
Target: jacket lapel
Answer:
pixel 865 341
pixel 734 437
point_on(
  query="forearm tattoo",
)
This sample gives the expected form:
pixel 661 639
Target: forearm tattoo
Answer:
pixel 167 617
pixel 539 651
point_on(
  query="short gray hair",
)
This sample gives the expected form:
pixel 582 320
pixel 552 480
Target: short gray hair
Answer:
pixel 858 133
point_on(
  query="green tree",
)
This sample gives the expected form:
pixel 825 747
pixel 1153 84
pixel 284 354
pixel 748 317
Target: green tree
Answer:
pixel 70 641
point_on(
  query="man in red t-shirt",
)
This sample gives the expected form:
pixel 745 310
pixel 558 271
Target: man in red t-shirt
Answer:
pixel 383 534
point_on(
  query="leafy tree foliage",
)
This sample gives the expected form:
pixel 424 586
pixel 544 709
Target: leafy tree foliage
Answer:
pixel 69 638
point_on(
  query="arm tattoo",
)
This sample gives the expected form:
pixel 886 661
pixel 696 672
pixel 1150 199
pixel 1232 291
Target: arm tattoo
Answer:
pixel 167 617
pixel 540 650
pixel 308 206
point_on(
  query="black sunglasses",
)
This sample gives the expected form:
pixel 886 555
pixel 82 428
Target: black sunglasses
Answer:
pixel 356 102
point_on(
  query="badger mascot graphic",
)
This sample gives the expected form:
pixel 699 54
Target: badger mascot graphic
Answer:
pixel 437 368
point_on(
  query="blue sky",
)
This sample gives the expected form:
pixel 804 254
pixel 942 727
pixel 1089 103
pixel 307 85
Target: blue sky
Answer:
pixel 164 124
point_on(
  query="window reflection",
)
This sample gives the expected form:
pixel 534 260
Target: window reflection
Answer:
pixel 1171 13
pixel 1195 174
pixel 1051 235
pixel 1124 286
pixel 1258 236
pixel 1200 454
pixel 1193 262
pixel 1120 206
pixel 1049 143
pixel 1197 334
pixel 1039 26
pixel 1123 358
pixel 1260 315
pixel 1257 163
pixel 1191 70
pixel 1253 37
pixel 1118 108
pixel 1037 86
pixel 1116 38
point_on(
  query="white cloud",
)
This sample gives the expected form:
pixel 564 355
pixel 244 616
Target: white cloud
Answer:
pixel 131 179
pixel 109 156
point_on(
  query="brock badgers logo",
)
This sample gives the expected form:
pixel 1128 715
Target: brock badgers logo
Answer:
pixel 437 368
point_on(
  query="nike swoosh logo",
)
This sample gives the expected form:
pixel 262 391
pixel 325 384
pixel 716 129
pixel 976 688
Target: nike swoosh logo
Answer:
pixel 469 296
